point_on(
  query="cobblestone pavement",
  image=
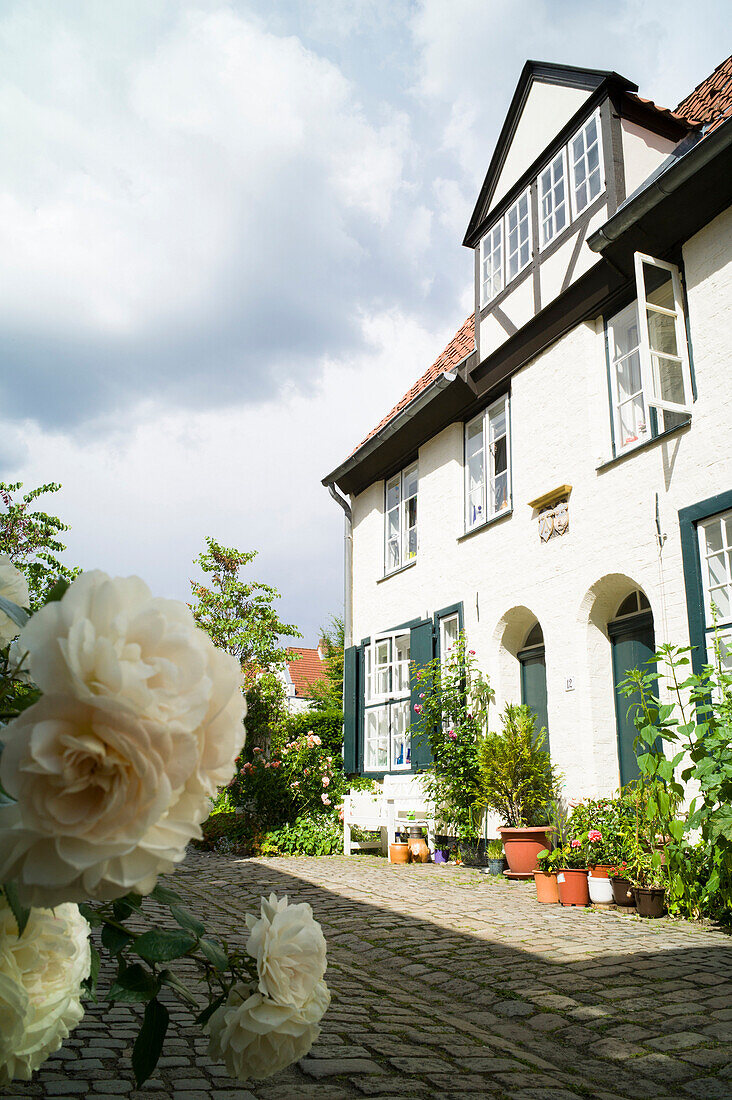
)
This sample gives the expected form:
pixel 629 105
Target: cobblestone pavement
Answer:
pixel 447 983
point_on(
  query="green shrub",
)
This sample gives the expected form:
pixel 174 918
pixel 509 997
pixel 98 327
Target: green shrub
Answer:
pixel 327 724
pixel 308 835
pixel 517 780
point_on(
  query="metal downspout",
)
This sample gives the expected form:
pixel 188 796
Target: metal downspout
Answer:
pixel 347 565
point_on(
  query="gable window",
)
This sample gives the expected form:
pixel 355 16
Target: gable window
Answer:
pixel 491 263
pixel 650 377
pixel 400 519
pixel 487 474
pixel 518 237
pixel 387 740
pixel 715 551
pixel 586 169
pixel 553 215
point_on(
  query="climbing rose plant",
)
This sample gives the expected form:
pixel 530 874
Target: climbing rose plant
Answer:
pixel 119 721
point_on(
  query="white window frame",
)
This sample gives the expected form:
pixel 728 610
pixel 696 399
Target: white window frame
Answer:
pixel 723 626
pixel 491 245
pixel 445 648
pixel 489 511
pixel 541 194
pixel 646 354
pixel 402 509
pixel 515 206
pixel 570 164
pixel 385 703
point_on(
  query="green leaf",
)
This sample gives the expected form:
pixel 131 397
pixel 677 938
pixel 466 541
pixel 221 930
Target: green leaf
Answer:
pixel 207 1013
pixel 20 912
pixel 90 983
pixel 57 591
pixel 17 614
pixel 159 946
pixel 90 914
pixel 135 983
pixel 165 896
pixel 149 1042
pixel 214 953
pixel 114 939
pixel 122 909
pixel 188 921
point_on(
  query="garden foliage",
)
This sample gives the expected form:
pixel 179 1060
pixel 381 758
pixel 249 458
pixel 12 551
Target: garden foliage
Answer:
pixel 29 538
pixel 516 777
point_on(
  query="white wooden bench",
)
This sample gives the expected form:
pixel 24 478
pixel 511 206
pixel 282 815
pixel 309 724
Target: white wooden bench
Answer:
pixel 366 811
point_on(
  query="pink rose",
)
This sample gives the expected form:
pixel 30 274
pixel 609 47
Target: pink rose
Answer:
pixel 341 815
pixel 576 843
pixel 471 652
pixel 257 749
pixel 276 763
pixel 452 735
pixel 421 695
pixel 325 800
pixel 317 741
pixel 594 835
pixel 417 708
pixel 326 781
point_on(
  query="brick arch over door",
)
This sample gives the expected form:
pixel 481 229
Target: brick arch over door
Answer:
pixel 599 607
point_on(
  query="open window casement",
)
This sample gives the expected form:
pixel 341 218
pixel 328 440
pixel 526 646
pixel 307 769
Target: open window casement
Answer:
pixel 664 358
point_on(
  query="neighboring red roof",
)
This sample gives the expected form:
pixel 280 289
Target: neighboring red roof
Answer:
pixel 305 671
pixel 462 343
pixel 711 101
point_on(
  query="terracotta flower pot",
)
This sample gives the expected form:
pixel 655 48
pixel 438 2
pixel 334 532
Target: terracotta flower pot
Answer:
pixel 399 853
pixel 573 889
pixel 650 901
pixel 547 888
pixel 600 870
pixel 418 849
pixel 522 846
pixel 622 890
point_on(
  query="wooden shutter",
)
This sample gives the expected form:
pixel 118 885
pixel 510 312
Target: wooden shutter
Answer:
pixel 351 708
pixel 421 652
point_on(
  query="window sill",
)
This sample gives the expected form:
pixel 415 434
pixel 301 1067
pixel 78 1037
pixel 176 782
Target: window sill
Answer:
pixel 504 514
pixel 396 572
pixel 602 466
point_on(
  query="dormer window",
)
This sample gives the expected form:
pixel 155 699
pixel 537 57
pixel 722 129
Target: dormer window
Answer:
pixel 553 198
pixel 491 263
pixel 586 170
pixel 518 237
pixel 505 249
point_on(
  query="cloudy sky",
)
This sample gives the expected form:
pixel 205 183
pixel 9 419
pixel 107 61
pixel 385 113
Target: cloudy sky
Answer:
pixel 230 240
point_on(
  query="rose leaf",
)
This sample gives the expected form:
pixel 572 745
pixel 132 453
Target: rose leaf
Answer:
pixel 214 953
pixel 188 921
pixel 159 946
pixel 149 1042
pixel 20 912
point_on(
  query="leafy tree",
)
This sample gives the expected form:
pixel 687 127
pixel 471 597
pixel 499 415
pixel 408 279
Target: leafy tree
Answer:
pixel 29 538
pixel 327 694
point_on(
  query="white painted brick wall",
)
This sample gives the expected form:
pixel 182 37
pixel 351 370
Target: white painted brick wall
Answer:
pixel 573 584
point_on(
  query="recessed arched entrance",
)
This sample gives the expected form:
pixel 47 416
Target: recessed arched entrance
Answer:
pixel 633 644
pixel 533 678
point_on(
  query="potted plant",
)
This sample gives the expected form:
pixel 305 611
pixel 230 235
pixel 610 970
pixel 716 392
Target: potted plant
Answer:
pixel 517 781
pixel 494 853
pixel 545 877
pixel 572 874
pixel 621 884
pixel 648 878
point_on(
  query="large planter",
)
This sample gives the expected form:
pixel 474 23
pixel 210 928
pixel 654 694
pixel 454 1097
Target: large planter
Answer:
pixel 600 886
pixel 622 890
pixel 573 889
pixel 650 901
pixel 522 846
pixel 547 887
pixel 399 853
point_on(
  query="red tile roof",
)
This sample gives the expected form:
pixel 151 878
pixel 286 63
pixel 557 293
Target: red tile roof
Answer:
pixel 306 670
pixel 462 344
pixel 711 101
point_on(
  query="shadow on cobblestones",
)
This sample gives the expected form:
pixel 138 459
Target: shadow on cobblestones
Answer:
pixel 447 984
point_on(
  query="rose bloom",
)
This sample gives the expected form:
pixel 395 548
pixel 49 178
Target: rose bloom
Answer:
pixel 317 740
pixel 452 735
pixel 13 587
pixel 40 985
pixel 325 800
pixel 417 708
pixel 255 1037
pixel 290 950
pixel 326 781
pixel 113 772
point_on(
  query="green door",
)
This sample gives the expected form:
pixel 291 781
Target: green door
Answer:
pixel 632 645
pixel 533 686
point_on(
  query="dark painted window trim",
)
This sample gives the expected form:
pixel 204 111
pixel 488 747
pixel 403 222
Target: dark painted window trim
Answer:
pixel 688 519
pixel 395 572
pixel 486 523
pixel 445 613
pixel 616 459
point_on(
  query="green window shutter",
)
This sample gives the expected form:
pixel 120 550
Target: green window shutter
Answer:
pixel 351 708
pixel 421 651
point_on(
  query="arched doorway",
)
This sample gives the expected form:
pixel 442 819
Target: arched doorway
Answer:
pixel 633 643
pixel 533 678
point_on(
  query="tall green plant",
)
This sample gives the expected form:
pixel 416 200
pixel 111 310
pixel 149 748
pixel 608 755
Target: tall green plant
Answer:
pixel 516 777
pixel 30 539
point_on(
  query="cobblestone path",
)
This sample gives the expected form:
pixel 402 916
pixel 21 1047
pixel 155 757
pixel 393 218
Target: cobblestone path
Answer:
pixel 447 983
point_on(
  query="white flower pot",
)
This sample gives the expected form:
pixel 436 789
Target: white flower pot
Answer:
pixel 601 890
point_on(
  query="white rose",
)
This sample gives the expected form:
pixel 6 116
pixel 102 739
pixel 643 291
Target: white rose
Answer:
pixel 289 947
pixel 40 985
pixel 255 1037
pixel 14 587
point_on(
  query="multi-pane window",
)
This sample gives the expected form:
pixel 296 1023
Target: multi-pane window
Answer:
pixel 487 473
pixel 491 263
pixel 449 633
pixel 400 519
pixel 585 164
pixel 387 741
pixel 518 237
pixel 715 551
pixel 553 212
pixel 650 377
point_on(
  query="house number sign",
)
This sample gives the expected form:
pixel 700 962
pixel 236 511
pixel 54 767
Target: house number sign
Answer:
pixel 570 683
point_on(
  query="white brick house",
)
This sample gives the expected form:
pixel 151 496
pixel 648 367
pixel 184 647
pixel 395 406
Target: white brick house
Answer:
pixel 557 483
